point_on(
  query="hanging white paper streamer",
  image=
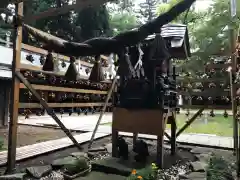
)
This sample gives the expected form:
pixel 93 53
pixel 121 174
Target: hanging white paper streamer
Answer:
pixel 110 69
pixel 56 63
pixel 130 65
pixel 79 66
pixel 139 62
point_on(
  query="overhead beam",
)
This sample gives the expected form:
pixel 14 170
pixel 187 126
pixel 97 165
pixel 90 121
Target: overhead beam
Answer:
pixel 63 10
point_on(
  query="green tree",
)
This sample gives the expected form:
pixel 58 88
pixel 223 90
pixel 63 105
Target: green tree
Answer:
pixel 122 22
pixel 209 32
pixel 61 26
pixel 189 17
pixel 93 22
pixel 147 9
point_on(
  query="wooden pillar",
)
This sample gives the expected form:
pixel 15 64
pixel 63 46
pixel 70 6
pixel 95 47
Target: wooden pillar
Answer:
pixel 114 142
pixel 160 151
pixel 173 133
pixel 173 115
pixel 135 137
pixel 12 138
pixel 233 90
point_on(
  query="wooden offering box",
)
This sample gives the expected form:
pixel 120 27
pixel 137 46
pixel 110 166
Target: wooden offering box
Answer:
pixel 144 121
pixel 139 121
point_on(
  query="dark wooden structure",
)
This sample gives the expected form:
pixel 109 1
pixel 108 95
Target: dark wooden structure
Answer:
pixel 150 120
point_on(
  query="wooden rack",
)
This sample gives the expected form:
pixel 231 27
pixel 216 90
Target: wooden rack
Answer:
pixel 19 82
pixel 213 92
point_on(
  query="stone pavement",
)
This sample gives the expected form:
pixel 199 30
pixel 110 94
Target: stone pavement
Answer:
pixel 87 124
pixel 71 122
pixel 193 138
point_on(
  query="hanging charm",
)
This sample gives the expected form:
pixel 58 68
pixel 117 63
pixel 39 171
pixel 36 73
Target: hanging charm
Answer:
pixel 61 112
pixel 56 63
pixel 187 112
pixel 63 64
pixel 127 58
pixel 79 66
pixel 225 114
pixel 212 113
pixel 110 65
pixel 139 65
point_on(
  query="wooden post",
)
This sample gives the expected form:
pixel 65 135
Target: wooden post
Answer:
pixel 173 133
pixel 173 122
pixel 48 109
pixel 12 137
pixel 135 137
pixel 114 142
pixel 160 140
pixel 190 121
pixel 160 151
pixel 233 90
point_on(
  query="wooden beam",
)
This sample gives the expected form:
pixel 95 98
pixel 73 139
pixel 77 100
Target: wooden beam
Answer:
pixel 109 95
pixel 190 121
pixel 61 73
pixel 167 136
pixel 38 69
pixel 217 66
pixel 59 56
pixel 193 80
pixel 218 107
pixel 63 10
pixel 61 89
pixel 214 92
pixel 48 109
pixel 60 105
pixel 41 51
pixel 13 123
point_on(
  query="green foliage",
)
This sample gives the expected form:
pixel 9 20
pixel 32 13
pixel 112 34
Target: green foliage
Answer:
pixel 76 165
pixel 189 17
pixel 88 23
pixel 208 31
pixel 149 173
pixel 124 21
pixel 61 26
pixel 219 169
pixel 93 22
pixel 147 9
